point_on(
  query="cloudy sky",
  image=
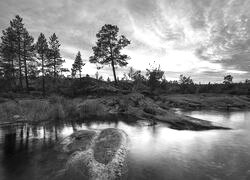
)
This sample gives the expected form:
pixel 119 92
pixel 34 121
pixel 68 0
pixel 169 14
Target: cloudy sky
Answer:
pixel 204 39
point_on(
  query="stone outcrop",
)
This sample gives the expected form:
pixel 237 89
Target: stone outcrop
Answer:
pixel 95 154
pixel 141 107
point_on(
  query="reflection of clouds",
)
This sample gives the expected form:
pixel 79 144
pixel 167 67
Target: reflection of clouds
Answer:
pixel 167 152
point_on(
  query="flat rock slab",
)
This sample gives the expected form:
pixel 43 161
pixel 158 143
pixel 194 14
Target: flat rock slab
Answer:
pixel 96 154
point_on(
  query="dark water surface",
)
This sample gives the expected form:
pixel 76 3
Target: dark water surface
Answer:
pixel 156 152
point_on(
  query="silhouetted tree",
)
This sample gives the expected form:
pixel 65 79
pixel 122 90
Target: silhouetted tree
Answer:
pixel 154 77
pixel 7 53
pixel 17 50
pixel 54 58
pixel 97 75
pixel 108 48
pixel 28 55
pixel 228 79
pixel 78 64
pixel 131 72
pixel 101 78
pixel 187 84
pixel 42 49
pixel 185 80
pixel 18 30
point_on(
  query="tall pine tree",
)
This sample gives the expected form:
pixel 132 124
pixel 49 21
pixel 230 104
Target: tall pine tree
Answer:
pixel 18 30
pixel 108 48
pixel 7 52
pixel 54 58
pixel 42 50
pixel 28 54
pixel 16 51
pixel 77 65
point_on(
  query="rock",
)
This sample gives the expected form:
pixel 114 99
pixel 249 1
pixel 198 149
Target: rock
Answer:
pixel 96 155
pixel 78 141
pixel 140 107
pixel 149 110
pixel 106 145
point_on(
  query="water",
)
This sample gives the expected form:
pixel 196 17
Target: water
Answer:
pixel 156 152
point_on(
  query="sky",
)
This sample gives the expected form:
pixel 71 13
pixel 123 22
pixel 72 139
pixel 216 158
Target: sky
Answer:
pixel 204 39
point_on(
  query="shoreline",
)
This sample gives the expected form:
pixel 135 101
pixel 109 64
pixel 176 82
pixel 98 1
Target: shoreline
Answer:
pixel 132 105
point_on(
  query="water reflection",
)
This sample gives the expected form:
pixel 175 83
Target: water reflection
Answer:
pixel 156 152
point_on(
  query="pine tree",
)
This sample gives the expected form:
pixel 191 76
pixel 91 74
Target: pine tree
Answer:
pixel 42 50
pixel 16 51
pixel 53 55
pixel 28 54
pixel 18 30
pixel 108 79
pixel 78 64
pixel 7 52
pixel 108 48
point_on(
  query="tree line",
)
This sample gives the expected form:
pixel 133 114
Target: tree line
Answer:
pixel 23 59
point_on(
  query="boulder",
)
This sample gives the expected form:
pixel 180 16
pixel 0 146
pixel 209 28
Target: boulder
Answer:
pixel 96 154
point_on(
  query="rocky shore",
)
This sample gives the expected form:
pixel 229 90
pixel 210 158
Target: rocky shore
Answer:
pixel 138 106
pixel 134 106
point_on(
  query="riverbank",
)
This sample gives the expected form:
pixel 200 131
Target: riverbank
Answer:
pixel 132 107
pixel 205 101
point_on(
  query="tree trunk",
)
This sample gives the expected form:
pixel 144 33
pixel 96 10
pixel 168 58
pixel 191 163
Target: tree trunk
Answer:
pixel 25 69
pixel 54 67
pixel 20 63
pixel 12 69
pixel 26 75
pixel 112 62
pixel 13 80
pixel 80 74
pixel 43 76
pixel 113 68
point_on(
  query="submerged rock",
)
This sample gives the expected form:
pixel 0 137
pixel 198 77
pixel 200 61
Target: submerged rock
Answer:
pixel 96 155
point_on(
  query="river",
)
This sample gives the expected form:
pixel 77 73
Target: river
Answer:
pixel 155 152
